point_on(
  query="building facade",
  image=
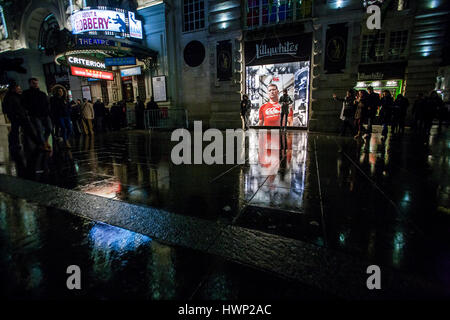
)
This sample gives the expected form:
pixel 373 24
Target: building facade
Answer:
pixel 43 34
pixel 312 48
pixel 207 53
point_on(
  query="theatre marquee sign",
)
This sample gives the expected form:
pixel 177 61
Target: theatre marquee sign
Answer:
pixel 107 21
pixel 86 62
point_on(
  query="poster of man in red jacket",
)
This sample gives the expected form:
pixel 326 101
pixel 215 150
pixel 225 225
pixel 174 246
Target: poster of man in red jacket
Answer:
pixel 270 112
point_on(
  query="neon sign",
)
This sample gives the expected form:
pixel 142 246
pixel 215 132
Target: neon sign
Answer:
pixel 86 62
pixel 130 72
pixel 89 73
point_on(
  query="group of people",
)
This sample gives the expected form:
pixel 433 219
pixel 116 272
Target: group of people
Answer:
pixel 39 117
pixel 360 108
pixel 32 111
pixel 140 109
pixel 88 118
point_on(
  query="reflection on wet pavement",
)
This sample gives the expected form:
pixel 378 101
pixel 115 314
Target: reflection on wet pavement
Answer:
pixel 38 244
pixel 387 202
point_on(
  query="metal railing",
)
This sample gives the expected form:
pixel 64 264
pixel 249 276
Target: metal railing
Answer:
pixel 166 118
pixel 131 118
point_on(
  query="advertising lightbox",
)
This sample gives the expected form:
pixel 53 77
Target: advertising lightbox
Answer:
pixel 108 21
pixel 89 73
pixel 121 61
pixel 294 77
pixel 98 20
pixel 135 26
pixel 130 72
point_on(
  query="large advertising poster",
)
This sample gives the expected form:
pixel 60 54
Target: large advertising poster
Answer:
pixel 108 21
pixel 262 80
pixel 98 20
pixel 274 64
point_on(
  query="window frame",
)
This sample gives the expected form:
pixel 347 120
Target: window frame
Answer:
pixel 290 15
pixel 387 46
pixel 401 55
pixel 205 15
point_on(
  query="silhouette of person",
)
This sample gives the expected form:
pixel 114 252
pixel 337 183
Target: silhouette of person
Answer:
pixel 123 26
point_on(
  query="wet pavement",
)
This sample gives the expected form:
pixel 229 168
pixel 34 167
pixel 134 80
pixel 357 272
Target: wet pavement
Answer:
pixel 38 244
pixel 309 208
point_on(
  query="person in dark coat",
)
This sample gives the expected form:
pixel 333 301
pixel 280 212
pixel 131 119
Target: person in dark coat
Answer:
pixel 387 103
pixel 13 108
pixel 108 120
pixel 123 117
pixel 418 110
pixel 361 107
pixel 75 116
pixel 245 107
pixel 403 104
pixel 36 103
pixel 154 112
pixel 347 111
pixel 152 105
pixel 140 111
pixel 372 104
pixel 116 114
pixel 432 105
pixel 99 115
pixel 61 113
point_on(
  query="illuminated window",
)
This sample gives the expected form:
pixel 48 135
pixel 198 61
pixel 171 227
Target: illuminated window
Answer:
pixel 253 13
pixel 193 15
pixel 372 48
pixel 399 5
pixel 266 12
pixel 397 44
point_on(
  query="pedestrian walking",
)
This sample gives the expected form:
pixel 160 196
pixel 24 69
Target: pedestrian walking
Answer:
pixel 99 115
pixel 286 102
pixel 140 113
pixel 245 107
pixel 75 116
pixel 116 113
pixel 154 112
pixel 432 104
pixel 387 103
pixel 123 116
pixel 13 107
pixel 61 112
pixel 403 104
pixel 372 104
pixel 36 103
pixel 87 112
pixel 418 112
pixel 347 111
pixel 361 108
pixel 108 120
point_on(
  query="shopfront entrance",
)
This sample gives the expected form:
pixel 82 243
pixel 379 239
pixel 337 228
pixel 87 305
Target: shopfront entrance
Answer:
pixel 285 63
pixel 127 89
pixel 386 76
